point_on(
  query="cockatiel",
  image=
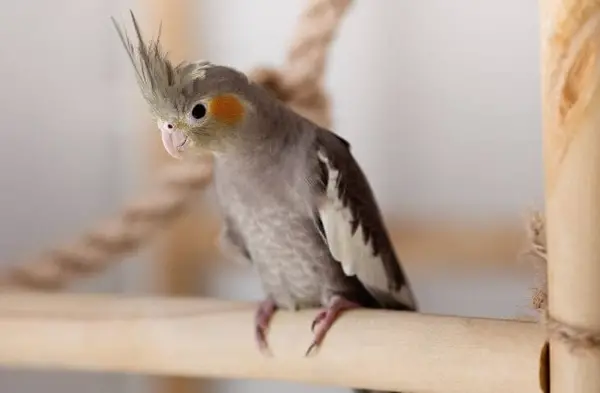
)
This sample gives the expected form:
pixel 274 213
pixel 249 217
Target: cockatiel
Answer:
pixel 295 203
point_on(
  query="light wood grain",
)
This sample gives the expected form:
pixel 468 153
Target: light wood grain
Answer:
pixel 211 338
pixel 571 98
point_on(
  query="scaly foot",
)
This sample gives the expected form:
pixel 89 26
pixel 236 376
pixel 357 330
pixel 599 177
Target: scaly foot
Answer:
pixel 325 319
pixel 263 315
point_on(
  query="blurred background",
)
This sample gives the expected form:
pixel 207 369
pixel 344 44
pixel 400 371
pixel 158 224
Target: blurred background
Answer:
pixel 439 99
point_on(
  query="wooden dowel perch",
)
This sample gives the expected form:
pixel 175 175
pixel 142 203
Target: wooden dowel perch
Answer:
pixel 211 338
pixel 571 110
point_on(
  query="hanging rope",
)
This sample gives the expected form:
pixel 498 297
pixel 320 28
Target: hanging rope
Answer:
pixel 96 250
pixel 299 83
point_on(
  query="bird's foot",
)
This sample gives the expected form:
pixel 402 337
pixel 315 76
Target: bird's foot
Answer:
pixel 263 315
pixel 325 319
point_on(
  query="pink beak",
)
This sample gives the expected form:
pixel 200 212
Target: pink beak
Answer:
pixel 173 140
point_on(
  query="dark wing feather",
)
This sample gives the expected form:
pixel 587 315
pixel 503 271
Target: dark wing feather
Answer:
pixel 352 223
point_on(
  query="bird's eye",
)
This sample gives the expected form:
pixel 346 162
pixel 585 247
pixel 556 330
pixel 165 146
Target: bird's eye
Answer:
pixel 198 111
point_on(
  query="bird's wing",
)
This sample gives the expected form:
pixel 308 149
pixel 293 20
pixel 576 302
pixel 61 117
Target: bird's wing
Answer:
pixel 351 223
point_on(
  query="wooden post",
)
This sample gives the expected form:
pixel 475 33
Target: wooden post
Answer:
pixel 570 35
pixel 182 250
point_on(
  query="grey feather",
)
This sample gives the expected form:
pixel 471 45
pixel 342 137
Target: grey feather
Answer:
pixel 270 194
pixel 232 243
pixel 271 191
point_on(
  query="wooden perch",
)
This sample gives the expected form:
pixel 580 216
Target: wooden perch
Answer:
pixel 213 338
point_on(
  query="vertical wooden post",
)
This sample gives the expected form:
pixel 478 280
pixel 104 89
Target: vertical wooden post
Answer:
pixel 571 112
pixel 183 249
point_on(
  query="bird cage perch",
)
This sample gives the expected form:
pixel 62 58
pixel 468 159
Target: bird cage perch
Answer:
pixel 214 338
pixel 367 348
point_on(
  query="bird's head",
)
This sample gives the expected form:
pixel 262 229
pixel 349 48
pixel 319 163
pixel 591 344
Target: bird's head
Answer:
pixel 196 105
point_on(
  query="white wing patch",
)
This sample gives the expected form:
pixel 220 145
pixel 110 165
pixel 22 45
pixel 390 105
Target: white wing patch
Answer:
pixel 349 249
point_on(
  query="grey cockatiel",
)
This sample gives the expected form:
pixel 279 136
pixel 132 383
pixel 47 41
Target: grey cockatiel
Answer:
pixel 295 203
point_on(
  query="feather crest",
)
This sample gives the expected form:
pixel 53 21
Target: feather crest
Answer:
pixel 163 85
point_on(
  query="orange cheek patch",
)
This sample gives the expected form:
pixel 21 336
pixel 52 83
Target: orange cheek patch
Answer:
pixel 226 109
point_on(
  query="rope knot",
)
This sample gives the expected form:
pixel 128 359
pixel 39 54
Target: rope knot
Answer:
pixel 307 99
pixel 272 80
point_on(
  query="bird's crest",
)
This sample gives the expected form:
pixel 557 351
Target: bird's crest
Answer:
pixel 162 84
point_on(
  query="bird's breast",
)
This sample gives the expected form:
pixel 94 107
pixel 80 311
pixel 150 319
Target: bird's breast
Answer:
pixel 275 220
pixel 289 256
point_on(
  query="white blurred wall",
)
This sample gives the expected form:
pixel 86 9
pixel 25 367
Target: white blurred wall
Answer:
pixel 439 99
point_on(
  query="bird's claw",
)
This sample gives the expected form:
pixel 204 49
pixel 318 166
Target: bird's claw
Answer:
pixel 312 347
pixel 265 311
pixel 325 319
pixel 318 319
pixel 262 341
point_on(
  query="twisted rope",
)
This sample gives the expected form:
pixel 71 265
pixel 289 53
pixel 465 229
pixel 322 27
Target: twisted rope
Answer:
pixel 298 83
pixel 94 251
